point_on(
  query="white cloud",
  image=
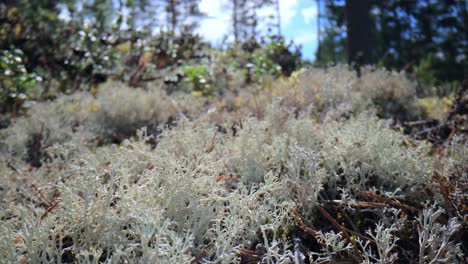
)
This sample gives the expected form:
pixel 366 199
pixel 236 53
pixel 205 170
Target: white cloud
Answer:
pixel 216 25
pixel 305 37
pixel 213 6
pixel 309 14
pixel 288 9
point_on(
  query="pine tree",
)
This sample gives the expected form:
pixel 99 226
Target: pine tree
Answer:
pixel 245 18
pixel 359 30
pixel 406 35
pixel 100 13
pixel 182 15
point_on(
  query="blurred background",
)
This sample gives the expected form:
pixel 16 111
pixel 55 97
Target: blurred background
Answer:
pixel 69 45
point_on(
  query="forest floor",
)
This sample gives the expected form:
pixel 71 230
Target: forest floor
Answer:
pixel 320 167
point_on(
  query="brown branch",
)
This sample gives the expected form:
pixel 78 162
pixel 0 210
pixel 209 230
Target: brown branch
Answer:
pixel 358 204
pixel 420 122
pixel 40 194
pixel 212 144
pixel 391 202
pixel 445 189
pixel 248 256
pixel 300 223
pixel 52 207
pixel 202 254
pixel 38 190
pixel 428 130
pixel 313 231
pixel 345 232
pixel 326 261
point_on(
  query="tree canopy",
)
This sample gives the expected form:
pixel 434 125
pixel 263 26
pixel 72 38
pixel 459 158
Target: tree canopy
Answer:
pixel 426 37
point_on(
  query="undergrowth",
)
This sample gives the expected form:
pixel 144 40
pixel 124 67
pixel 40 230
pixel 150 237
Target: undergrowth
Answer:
pixel 306 170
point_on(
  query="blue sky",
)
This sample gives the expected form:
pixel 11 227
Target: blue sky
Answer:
pixel 299 22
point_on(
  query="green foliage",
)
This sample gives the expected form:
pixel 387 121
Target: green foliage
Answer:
pixel 29 26
pixel 89 60
pixel 15 80
pixel 199 78
pixel 80 48
pixel 410 35
pixel 264 66
pixel 424 71
pixel 278 58
pixel 331 49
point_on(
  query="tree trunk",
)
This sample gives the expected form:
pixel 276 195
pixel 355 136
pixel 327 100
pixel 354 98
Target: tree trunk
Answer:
pixel 235 22
pixel 173 12
pixel 318 31
pixel 278 17
pixel 359 27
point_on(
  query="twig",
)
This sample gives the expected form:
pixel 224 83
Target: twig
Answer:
pixel 326 261
pixel 248 256
pixel 313 232
pixel 440 148
pixel 176 106
pixel 33 186
pixel 429 130
pixel 201 255
pixel 345 232
pixel 358 235
pixel 248 252
pixel 359 204
pixel 445 189
pixel 52 207
pixel 420 122
pixel 300 223
pixel 40 194
pixel 212 145
pixel 391 202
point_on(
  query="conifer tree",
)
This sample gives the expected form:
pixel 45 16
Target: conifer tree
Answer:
pixel 182 15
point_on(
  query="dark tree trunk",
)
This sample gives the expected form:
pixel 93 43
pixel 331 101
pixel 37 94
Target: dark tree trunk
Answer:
pixel 359 27
pixel 318 31
pixel 173 12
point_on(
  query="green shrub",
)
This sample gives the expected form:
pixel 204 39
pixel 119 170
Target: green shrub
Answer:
pixel 200 80
pixel 15 80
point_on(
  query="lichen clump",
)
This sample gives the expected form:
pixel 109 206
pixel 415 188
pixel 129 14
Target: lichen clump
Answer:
pixel 310 171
